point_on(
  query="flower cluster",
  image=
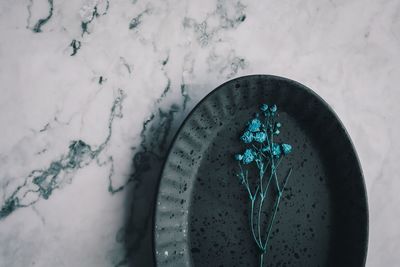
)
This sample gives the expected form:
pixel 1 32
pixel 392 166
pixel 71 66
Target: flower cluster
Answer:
pixel 262 134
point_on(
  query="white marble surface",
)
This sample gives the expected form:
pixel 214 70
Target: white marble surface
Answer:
pixel 89 85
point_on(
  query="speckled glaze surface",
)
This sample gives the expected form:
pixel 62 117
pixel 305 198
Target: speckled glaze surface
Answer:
pixel 201 214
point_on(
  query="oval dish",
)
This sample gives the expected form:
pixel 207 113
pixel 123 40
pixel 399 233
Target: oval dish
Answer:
pixel 201 213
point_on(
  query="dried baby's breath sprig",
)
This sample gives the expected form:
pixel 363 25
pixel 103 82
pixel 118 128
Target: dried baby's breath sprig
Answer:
pixel 266 154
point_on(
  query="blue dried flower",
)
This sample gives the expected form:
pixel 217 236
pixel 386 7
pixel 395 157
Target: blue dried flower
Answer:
pixel 254 125
pixel 247 137
pixel 276 150
pixel 264 107
pixel 267 159
pixel 286 148
pixel 238 157
pixel 260 137
pixel 248 156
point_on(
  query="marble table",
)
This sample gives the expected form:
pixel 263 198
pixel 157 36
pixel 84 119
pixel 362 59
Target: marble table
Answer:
pixel 92 91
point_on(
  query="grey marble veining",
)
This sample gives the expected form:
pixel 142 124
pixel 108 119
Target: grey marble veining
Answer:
pixel 93 91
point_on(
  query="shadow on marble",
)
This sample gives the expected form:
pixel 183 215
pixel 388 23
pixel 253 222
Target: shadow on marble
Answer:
pixel 157 134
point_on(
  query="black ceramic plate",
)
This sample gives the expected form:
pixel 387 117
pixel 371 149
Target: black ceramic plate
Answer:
pixel 201 216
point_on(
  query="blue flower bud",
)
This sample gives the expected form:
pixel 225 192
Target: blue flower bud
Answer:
pixel 276 150
pixel 260 137
pixel 264 107
pixel 254 125
pixel 247 137
pixel 248 156
pixel 286 148
pixel 273 108
pixel 278 125
pixel 238 157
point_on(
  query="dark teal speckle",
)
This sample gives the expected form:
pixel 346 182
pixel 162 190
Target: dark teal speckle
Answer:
pixel 38 26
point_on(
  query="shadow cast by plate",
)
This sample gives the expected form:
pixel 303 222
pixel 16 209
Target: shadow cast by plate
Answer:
pixel 156 136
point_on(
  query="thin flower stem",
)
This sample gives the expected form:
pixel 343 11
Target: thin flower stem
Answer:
pixel 272 221
pixel 261 259
pixel 275 209
pixel 252 224
pixel 259 219
pixel 267 122
pixel 249 191
pixel 277 182
pixel 261 176
pixel 246 181
pixel 273 169
pixel 262 191
pixel 262 201
pixel 272 173
pixel 270 179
